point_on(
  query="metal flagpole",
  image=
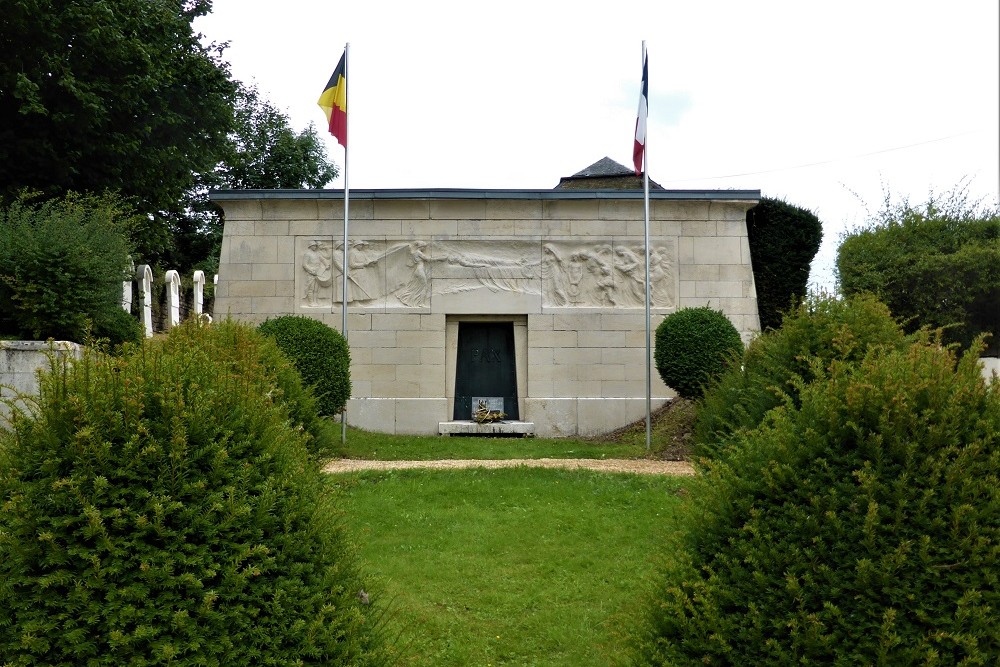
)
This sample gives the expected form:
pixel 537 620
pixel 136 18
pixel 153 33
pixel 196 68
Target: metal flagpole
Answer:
pixel 645 219
pixel 347 200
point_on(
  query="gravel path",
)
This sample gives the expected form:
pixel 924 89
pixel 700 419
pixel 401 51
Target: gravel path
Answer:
pixel 639 466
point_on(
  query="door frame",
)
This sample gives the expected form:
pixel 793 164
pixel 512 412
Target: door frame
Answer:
pixel 520 323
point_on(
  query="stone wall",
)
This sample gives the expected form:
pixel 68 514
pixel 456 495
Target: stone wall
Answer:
pixel 20 361
pixel 565 267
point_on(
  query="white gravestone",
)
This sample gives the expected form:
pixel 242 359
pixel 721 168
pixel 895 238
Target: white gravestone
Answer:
pixel 173 282
pixel 144 275
pixel 199 292
pixel 127 288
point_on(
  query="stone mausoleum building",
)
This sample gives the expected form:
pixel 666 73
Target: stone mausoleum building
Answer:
pixel 530 300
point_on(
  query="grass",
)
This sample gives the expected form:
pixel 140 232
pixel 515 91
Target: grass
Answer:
pixel 511 567
pixel 670 439
pixel 380 447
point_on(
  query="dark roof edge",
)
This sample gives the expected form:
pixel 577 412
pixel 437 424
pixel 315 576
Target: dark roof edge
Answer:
pixel 459 193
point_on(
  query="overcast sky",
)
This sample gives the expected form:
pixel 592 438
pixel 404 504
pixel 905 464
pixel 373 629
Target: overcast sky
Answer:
pixel 827 105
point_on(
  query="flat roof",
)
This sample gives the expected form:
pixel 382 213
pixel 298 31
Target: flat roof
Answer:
pixel 462 193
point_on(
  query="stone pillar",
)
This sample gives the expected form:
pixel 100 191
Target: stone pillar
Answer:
pixel 144 275
pixel 173 282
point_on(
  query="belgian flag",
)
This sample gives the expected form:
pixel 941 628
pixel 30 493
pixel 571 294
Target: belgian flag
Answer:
pixel 333 101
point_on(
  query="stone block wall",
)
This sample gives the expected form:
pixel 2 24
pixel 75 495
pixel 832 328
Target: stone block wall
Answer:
pixel 565 267
pixel 20 361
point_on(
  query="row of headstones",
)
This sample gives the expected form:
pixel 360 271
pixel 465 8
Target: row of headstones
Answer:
pixel 172 279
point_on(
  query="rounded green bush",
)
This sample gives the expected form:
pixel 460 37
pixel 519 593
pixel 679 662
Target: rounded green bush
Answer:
pixel 161 508
pixel 693 346
pixel 859 527
pixel 321 356
pixel 820 329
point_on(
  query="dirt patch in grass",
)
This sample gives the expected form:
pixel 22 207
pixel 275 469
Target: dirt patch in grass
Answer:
pixel 671 429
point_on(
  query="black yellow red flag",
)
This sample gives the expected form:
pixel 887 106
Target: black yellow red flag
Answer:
pixel 333 101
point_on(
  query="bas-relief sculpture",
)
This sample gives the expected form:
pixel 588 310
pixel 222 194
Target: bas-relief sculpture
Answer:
pixel 408 274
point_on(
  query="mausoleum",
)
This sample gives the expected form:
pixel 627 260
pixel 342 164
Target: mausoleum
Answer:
pixel 529 300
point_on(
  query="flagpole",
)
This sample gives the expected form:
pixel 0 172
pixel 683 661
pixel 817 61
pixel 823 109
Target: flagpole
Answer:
pixel 645 220
pixel 347 200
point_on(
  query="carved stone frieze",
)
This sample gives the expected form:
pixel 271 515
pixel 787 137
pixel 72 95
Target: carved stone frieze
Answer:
pixel 601 275
pixel 409 273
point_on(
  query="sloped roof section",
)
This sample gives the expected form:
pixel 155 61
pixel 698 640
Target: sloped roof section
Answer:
pixel 603 167
pixel 605 174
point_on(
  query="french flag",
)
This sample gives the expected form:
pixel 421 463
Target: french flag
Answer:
pixel 639 149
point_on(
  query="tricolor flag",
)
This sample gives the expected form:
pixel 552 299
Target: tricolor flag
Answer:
pixel 640 123
pixel 333 101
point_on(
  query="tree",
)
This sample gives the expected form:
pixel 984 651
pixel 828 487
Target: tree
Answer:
pixel 935 265
pixel 262 152
pixel 120 95
pixel 783 241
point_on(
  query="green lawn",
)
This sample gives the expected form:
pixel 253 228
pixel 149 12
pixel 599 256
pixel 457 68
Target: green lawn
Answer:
pixel 670 439
pixel 377 446
pixel 511 567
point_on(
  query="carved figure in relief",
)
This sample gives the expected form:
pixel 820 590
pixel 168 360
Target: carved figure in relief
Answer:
pixel 661 283
pixel 631 273
pixel 574 274
pixel 553 276
pixel 494 273
pixel 416 292
pixel 601 269
pixel 316 263
pixel 364 275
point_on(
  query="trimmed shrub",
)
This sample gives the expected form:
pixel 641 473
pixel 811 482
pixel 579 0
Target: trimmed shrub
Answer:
pixel 819 330
pixel 693 346
pixel 783 240
pixel 861 527
pixel 62 264
pixel 321 356
pixel 161 507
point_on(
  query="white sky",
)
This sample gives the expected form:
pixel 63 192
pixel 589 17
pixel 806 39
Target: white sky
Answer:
pixel 827 105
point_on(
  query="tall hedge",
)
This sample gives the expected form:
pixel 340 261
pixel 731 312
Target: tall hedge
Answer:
pixel 62 264
pixel 161 508
pixel 862 527
pixel 934 265
pixel 783 240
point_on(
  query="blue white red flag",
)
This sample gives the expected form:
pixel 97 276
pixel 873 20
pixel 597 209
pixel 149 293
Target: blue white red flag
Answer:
pixel 639 149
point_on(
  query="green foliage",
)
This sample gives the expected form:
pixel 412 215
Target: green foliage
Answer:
pixel 62 264
pixel 262 152
pixel 860 527
pixel 119 328
pixel 162 508
pixel 818 331
pixel 694 345
pixel 934 265
pixel 319 353
pixel 121 96
pixel 266 153
pixel 783 241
